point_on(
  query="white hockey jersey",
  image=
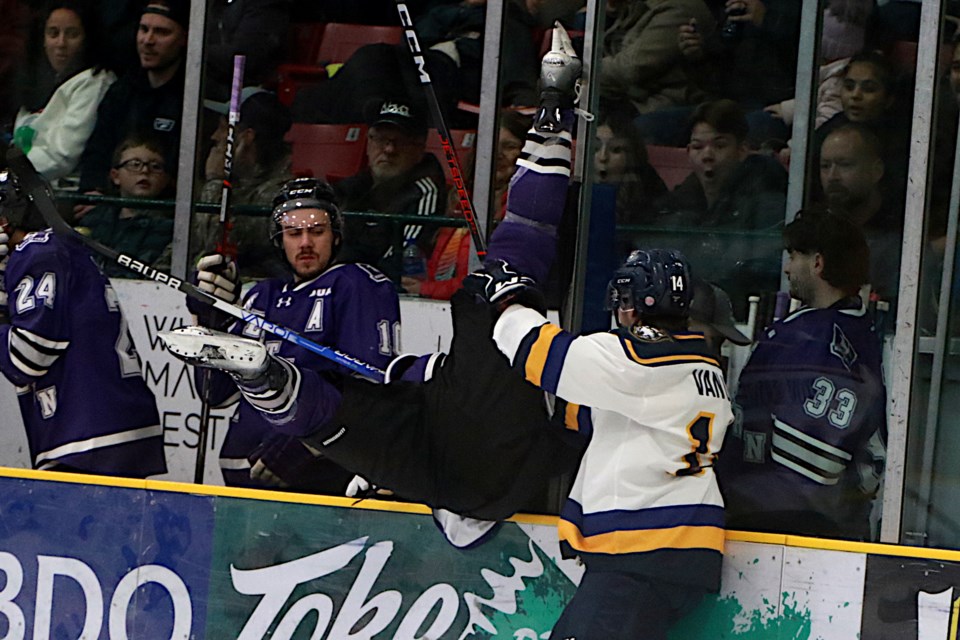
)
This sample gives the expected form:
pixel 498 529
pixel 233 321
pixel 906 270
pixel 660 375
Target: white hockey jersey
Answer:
pixel 645 499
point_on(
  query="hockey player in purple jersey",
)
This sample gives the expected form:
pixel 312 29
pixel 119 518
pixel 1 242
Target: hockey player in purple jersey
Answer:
pixel 429 434
pixel 85 404
pixel 350 307
pixel 806 457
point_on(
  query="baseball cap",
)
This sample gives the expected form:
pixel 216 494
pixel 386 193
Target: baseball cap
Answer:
pixel 399 113
pixel 176 10
pixel 260 110
pixel 711 306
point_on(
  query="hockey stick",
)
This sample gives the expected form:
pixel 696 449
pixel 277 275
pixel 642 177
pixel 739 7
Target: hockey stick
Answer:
pixel 410 35
pixel 224 247
pixel 39 193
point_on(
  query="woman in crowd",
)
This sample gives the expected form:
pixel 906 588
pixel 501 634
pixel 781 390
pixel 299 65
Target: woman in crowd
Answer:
pixel 59 104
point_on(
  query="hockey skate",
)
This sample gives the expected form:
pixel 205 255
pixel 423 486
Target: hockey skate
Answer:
pixel 559 82
pixel 202 347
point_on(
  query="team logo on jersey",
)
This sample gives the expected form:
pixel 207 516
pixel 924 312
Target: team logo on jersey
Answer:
pixel 284 302
pixel 843 348
pixel 47 399
pixel 754 446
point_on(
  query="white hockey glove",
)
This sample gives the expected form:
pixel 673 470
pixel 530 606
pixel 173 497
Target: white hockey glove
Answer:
pixel 217 275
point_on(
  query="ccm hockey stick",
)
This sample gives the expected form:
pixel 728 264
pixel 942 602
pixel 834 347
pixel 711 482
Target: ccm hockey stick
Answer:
pixel 410 35
pixel 39 193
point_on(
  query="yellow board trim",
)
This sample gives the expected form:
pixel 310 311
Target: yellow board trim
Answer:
pixel 618 542
pixel 537 358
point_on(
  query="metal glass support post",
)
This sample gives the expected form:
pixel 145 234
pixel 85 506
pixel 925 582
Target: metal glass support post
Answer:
pixel 487 127
pixel 189 126
pixel 905 338
pixel 589 100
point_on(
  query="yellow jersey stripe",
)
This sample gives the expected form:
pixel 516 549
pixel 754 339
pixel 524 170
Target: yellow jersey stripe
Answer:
pixel 643 540
pixel 537 358
pixel 669 359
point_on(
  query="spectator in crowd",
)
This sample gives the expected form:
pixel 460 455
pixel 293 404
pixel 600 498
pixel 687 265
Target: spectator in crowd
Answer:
pixel 621 160
pixel 641 68
pixel 851 177
pixel 730 190
pixel 400 178
pixel 84 402
pixel 261 164
pixel 809 452
pixel 449 262
pixel 53 125
pixel 147 99
pixel 844 35
pixel 348 307
pixel 139 171
pixel 869 97
pixel 258 29
pixel 510 137
pixel 751 58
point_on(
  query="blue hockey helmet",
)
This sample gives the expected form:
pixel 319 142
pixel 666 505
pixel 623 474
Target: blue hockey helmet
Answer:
pixel 654 282
pixel 305 193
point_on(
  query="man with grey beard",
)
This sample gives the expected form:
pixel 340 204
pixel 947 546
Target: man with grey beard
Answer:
pixel 400 178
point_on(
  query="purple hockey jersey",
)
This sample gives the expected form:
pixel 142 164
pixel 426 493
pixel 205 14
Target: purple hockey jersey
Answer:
pixel 353 308
pixel 808 455
pixel 84 401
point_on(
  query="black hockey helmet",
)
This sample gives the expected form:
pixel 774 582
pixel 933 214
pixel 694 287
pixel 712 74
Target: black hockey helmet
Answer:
pixel 305 193
pixel 16 209
pixel 655 282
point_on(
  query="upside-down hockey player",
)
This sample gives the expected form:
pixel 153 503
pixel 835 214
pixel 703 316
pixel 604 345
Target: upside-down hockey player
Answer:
pixel 434 441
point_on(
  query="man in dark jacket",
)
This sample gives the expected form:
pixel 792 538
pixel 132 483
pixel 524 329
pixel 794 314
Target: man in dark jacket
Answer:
pixel 400 178
pixel 149 99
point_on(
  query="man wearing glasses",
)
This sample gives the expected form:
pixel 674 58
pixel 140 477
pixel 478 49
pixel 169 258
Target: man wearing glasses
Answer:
pixel 400 178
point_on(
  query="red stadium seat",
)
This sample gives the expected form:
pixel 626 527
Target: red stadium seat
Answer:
pixel 463 141
pixel 341 40
pixel 671 163
pixel 305 39
pixel 329 151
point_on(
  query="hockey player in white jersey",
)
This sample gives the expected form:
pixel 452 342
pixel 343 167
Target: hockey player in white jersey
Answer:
pixel 645 513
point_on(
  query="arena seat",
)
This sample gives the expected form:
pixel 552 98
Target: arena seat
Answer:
pixel 329 151
pixel 305 39
pixel 671 163
pixel 339 41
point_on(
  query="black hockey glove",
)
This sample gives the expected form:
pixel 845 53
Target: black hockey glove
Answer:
pixel 500 285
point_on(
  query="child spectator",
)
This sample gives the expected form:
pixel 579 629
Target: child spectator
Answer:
pixel 60 109
pixel 138 171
